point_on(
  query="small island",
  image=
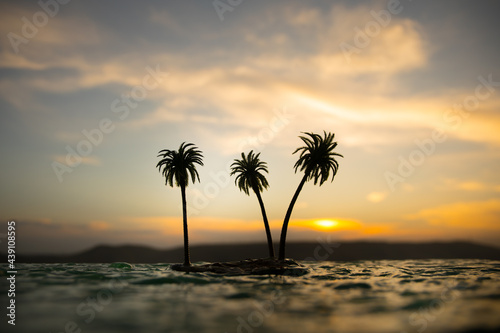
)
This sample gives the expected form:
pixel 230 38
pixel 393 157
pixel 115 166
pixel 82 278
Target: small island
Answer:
pixel 316 161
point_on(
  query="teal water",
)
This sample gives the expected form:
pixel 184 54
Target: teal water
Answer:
pixel 364 296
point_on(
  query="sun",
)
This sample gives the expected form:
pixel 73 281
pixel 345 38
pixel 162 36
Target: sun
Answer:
pixel 326 224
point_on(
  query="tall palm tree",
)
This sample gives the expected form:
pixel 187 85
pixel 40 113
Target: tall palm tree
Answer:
pixel 316 160
pixel 249 176
pixel 177 167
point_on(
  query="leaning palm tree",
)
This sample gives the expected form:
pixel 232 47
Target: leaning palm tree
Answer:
pixel 177 167
pixel 249 176
pixel 316 160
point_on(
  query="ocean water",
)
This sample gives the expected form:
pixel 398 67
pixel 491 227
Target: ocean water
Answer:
pixel 363 296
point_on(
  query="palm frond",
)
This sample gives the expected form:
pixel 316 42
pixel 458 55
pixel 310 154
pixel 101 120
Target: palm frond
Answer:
pixel 178 166
pixel 317 158
pixel 249 173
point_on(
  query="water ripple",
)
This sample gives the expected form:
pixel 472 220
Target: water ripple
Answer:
pixel 371 296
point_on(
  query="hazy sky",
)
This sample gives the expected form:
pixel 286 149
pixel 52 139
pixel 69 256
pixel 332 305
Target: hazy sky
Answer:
pixel 410 89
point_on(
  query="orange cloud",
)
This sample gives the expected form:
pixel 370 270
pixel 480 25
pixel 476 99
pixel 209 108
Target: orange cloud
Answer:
pixel 173 225
pixel 468 185
pixel 469 215
pixel 99 225
pixel 345 228
pixel 376 197
pixel 88 160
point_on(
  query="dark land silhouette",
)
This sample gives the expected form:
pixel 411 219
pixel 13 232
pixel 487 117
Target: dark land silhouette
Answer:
pixel 345 251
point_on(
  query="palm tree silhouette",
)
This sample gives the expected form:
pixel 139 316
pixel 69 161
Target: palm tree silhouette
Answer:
pixel 177 167
pixel 316 159
pixel 249 176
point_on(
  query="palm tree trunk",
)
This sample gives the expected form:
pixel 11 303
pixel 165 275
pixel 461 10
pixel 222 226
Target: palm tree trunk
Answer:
pixel 287 218
pixel 187 261
pixel 266 224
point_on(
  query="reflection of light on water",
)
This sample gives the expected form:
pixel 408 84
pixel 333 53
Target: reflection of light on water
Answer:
pixel 408 295
pixel 327 224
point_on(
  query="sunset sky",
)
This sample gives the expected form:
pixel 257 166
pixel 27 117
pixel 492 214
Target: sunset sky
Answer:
pixel 410 89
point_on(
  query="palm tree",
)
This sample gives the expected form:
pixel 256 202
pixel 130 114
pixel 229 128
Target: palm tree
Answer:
pixel 249 176
pixel 316 160
pixel 177 167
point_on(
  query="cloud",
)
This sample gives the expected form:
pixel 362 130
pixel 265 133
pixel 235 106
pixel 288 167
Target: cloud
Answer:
pixel 166 20
pixel 212 229
pixel 240 89
pixel 471 186
pixel 398 48
pixel 225 82
pixel 49 42
pixel 87 160
pixel 376 197
pixel 465 215
pixel 39 237
pixel 301 17
pixel 99 225
pixel 468 185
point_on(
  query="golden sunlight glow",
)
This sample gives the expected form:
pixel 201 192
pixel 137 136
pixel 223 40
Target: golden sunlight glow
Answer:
pixel 326 224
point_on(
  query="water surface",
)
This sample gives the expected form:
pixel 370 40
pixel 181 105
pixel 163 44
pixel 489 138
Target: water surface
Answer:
pixel 363 296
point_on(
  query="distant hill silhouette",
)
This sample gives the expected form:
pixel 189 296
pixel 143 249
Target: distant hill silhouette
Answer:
pixel 345 251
